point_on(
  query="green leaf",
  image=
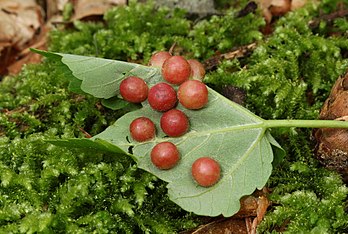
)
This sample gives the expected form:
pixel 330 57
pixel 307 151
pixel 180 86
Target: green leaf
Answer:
pixel 278 151
pixel 115 103
pixel 49 55
pixel 75 86
pixel 102 77
pixel 87 144
pixel 223 130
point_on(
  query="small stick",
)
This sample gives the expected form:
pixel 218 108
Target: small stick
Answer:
pixel 212 62
pixel 172 48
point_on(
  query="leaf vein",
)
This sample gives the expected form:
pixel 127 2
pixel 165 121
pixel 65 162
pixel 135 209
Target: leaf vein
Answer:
pixel 246 154
pixel 197 146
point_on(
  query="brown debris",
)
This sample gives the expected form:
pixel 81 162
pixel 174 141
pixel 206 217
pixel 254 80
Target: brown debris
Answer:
pixel 328 17
pixel 332 144
pixel 24 25
pixel 20 23
pixel 262 204
pixel 20 20
pixel 251 7
pixel 222 226
pixel 235 94
pixel 90 8
pixel 239 52
pixel 273 8
pixel 54 8
pixel 26 56
pixel 253 209
pixel 279 7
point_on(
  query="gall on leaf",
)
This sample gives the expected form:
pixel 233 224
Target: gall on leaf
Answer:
pixel 235 137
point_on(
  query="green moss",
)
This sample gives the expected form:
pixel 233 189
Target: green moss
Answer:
pixel 51 189
pixel 134 32
pixel 307 198
pixel 220 34
pixel 47 189
pixel 35 101
pixel 289 75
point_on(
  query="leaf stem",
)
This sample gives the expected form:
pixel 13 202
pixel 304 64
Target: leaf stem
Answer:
pixel 305 123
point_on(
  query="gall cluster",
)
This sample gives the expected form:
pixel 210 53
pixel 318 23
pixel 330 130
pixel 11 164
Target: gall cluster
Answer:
pixel 191 93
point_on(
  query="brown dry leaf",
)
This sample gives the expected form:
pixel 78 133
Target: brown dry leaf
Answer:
pixel 55 7
pixel 20 20
pixel 22 27
pixel 222 226
pixel 280 7
pixel 332 144
pixel 296 4
pixel 26 56
pixel 253 209
pixel 272 8
pixel 88 8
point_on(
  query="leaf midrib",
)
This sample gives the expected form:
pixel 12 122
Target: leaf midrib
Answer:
pixel 199 134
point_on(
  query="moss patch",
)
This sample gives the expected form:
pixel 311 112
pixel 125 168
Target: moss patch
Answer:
pixel 47 189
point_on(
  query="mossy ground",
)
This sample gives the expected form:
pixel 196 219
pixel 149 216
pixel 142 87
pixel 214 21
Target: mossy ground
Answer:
pixel 47 189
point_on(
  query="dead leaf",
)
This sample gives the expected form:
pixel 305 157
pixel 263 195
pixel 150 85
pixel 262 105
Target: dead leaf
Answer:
pixel 253 209
pixel 26 56
pixel 88 8
pixel 223 226
pixel 296 4
pixel 280 7
pixel 271 8
pixel 332 144
pixel 55 7
pixel 20 20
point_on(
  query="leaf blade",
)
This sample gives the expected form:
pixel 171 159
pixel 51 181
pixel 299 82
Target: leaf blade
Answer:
pixel 213 131
pixel 102 77
pixel 223 130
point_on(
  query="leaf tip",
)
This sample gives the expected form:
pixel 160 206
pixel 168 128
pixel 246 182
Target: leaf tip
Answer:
pixel 46 53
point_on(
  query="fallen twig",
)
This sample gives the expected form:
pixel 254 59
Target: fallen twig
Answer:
pixel 242 51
